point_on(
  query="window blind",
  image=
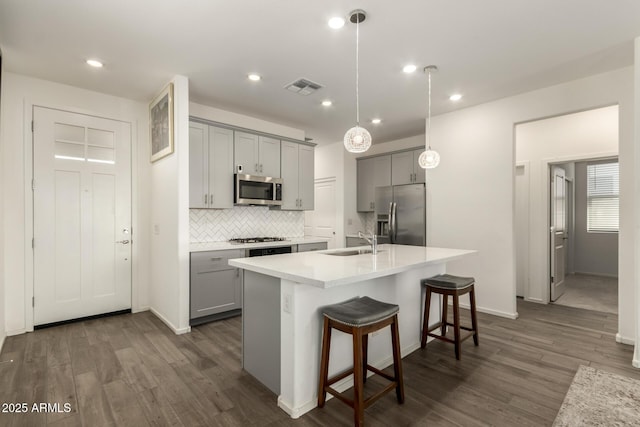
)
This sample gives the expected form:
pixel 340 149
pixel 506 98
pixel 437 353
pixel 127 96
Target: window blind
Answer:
pixel 603 190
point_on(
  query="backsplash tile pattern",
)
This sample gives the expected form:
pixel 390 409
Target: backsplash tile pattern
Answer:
pixel 219 225
pixel 368 220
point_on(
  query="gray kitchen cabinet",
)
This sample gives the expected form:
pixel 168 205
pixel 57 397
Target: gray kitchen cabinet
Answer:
pixel 215 286
pixel 308 247
pixel 372 172
pixel 297 162
pixel 210 166
pixel 355 241
pixel 405 168
pixel 256 155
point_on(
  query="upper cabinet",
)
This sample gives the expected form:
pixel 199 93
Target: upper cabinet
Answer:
pixel 405 168
pixel 210 166
pixel 372 172
pixel 298 176
pixel 256 155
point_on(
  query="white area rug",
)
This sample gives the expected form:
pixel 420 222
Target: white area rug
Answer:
pixel 599 398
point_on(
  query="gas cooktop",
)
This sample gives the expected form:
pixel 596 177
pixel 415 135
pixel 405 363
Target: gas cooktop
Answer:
pixel 258 240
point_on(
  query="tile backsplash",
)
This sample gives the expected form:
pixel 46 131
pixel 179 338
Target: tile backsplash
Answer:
pixel 218 225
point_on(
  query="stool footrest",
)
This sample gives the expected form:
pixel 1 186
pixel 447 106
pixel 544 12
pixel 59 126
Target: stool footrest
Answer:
pixel 339 376
pixel 367 402
pixel 445 338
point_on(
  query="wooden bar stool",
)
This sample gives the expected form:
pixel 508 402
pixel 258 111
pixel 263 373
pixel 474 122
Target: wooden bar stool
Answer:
pixel 445 285
pixel 360 317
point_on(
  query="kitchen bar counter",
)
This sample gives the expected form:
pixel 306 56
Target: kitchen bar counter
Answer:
pixel 282 325
pixel 324 270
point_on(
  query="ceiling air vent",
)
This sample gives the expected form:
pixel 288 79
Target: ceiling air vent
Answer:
pixel 303 87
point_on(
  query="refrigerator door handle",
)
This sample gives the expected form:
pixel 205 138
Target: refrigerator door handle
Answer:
pixel 393 226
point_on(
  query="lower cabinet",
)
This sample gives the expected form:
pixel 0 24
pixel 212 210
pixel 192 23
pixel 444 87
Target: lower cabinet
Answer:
pixel 216 287
pixel 308 247
pixel 355 241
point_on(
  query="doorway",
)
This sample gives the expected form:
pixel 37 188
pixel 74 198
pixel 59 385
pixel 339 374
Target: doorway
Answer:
pixel 321 222
pixel 82 215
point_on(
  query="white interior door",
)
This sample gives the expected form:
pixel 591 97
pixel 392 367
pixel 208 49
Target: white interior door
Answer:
pixel 321 222
pixel 522 229
pixel 82 215
pixel 558 231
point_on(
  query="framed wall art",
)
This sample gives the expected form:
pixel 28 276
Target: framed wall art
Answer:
pixel 161 124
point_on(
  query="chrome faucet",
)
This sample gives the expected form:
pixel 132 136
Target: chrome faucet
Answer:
pixel 373 241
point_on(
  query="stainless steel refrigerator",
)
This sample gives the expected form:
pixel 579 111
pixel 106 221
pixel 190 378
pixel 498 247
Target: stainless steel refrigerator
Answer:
pixel 400 214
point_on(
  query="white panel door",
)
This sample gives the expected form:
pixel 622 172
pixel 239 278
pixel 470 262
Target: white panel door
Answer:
pixel 82 215
pixel 522 229
pixel 558 232
pixel 321 222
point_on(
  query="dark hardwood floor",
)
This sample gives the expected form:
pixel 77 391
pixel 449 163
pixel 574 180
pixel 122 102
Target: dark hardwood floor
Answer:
pixel 132 370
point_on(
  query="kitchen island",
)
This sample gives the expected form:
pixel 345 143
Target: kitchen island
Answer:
pixel 282 325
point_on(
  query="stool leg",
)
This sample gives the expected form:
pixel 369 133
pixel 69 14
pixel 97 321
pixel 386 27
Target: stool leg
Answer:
pixel 425 323
pixel 397 359
pixel 456 323
pixel 445 307
pixel 358 395
pixel 365 354
pixel 324 363
pixel 474 320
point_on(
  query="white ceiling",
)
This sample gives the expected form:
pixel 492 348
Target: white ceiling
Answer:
pixel 484 49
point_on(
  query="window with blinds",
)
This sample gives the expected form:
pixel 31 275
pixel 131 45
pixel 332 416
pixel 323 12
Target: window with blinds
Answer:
pixel 603 189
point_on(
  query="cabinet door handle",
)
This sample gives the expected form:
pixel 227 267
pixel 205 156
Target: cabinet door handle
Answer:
pixel 255 168
pixel 211 199
pixel 205 199
pixel 260 167
pixel 237 272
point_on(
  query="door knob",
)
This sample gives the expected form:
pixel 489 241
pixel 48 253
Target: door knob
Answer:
pixel 124 242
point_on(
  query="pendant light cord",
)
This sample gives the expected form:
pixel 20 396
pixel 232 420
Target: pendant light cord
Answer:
pixel 429 113
pixel 357 70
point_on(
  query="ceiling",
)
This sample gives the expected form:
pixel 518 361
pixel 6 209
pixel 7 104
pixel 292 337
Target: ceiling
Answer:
pixel 485 50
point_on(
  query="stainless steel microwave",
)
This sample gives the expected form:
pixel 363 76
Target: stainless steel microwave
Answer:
pixel 257 190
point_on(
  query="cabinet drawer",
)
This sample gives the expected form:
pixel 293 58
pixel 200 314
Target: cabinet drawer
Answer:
pixel 308 247
pixel 214 260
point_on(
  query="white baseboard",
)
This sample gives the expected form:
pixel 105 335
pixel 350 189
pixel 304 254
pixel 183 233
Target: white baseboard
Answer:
pixel 17 332
pixel 536 300
pixel 625 340
pixel 2 342
pixel 177 331
pixel 492 312
pixel 344 384
pixel 140 309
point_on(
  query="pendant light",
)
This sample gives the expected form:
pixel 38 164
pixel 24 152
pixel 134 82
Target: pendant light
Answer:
pixel 429 159
pixel 357 139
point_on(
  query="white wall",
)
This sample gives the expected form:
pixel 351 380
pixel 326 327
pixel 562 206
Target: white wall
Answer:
pixel 595 253
pixel 19 93
pixel 471 193
pixel 329 163
pixel 3 329
pixel 169 189
pixel 584 135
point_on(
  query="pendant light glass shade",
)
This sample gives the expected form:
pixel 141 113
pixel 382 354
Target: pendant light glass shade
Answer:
pixel 357 139
pixel 429 158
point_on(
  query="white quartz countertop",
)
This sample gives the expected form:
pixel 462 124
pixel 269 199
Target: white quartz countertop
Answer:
pixel 222 246
pixel 325 271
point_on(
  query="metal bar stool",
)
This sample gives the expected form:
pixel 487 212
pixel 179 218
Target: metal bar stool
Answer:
pixel 445 285
pixel 360 317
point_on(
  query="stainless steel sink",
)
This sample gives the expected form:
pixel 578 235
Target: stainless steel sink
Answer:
pixel 350 252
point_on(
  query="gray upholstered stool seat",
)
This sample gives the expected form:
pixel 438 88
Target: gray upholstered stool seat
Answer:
pixel 448 281
pixel 360 317
pixel 360 311
pixel 445 285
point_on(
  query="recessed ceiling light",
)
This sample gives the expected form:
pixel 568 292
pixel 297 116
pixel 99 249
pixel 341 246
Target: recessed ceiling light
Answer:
pixel 336 22
pixel 410 68
pixel 327 103
pixel 254 77
pixel 455 97
pixel 375 121
pixel 94 63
